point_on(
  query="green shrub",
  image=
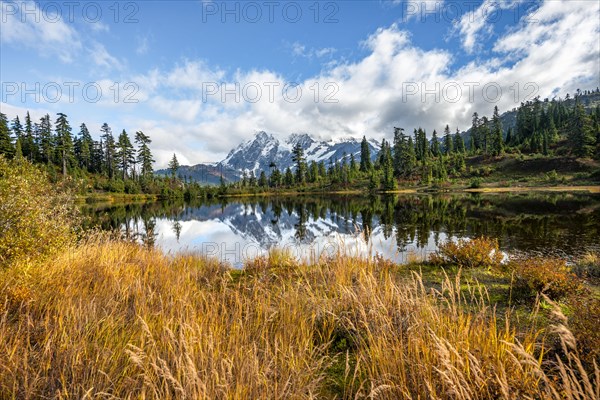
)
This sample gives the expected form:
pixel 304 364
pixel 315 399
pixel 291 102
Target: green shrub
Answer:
pixel 475 183
pixel 475 253
pixel 35 219
pixel 552 176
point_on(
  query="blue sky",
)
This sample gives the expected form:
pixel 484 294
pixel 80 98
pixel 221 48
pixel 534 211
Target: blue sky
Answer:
pixel 197 75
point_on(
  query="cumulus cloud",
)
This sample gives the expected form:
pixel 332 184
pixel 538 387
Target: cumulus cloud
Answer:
pixel 479 23
pixel 201 111
pixel 25 24
pixel 397 84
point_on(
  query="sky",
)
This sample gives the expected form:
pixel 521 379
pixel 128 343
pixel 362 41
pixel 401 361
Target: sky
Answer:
pixel 199 77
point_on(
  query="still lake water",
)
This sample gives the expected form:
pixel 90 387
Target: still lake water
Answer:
pixel 396 227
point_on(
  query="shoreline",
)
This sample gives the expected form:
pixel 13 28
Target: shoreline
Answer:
pixel 132 198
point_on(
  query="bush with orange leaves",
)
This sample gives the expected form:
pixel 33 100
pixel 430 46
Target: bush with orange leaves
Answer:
pixel 550 276
pixel 474 253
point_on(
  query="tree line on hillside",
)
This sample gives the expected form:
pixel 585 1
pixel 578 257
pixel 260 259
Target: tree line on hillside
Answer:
pixel 118 164
pixel 58 146
pixel 542 127
pixel 112 163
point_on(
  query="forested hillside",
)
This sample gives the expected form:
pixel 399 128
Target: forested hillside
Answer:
pixel 565 133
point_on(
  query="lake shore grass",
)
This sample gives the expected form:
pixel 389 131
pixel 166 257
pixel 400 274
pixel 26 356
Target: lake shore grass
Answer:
pixel 109 197
pixel 426 189
pixel 107 318
pixel 85 315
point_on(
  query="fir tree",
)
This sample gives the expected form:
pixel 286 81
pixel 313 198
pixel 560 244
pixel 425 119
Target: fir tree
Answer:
pixel 126 154
pixel 581 135
pixel 497 139
pixel 6 146
pixel 64 142
pixel 173 166
pixel 299 159
pixel 109 149
pixel 29 149
pixel 459 143
pixel 448 143
pixel 84 147
pixel 144 156
pixel 262 180
pixel 365 155
pixel 435 144
pixel 45 139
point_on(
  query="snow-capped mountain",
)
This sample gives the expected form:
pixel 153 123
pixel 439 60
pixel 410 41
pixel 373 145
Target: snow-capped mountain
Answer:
pixel 258 153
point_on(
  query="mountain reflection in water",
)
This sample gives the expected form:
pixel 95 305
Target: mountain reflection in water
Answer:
pixel 396 227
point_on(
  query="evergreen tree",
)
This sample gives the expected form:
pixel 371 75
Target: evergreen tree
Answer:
pixel 45 139
pixel 399 150
pixel 97 158
pixel 28 144
pixel 410 159
pixel 18 151
pixel 288 178
pixel 262 180
pixel 365 156
pixel 484 135
pixel 373 181
pixel 109 148
pixel 126 154
pixel 581 134
pixel 144 156
pixel 497 139
pixel 459 143
pixel 64 142
pixel 435 144
pixel 275 179
pixel 389 183
pixel 84 147
pixel 6 146
pixel 313 172
pixel 475 139
pixel 299 159
pixel 509 137
pixel 448 143
pixel 17 129
pixel 173 166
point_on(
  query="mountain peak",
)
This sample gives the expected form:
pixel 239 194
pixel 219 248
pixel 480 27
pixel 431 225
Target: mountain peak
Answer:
pixel 257 153
pixel 304 139
pixel 263 136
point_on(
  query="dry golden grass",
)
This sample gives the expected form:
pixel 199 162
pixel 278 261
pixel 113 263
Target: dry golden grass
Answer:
pixel 109 319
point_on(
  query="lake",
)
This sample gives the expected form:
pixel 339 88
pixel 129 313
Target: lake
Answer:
pixel 397 227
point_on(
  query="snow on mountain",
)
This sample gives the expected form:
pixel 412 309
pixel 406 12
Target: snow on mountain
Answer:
pixel 260 152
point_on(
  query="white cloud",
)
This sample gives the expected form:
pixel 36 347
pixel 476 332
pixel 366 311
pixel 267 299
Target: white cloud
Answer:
pixel 300 50
pixel 558 50
pixel 102 58
pixel 25 24
pixel 479 23
pixel 142 45
pixel 372 92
